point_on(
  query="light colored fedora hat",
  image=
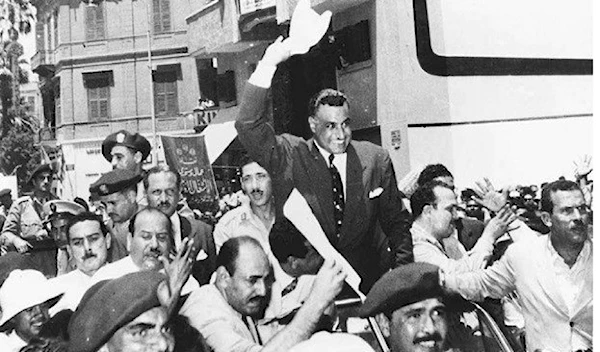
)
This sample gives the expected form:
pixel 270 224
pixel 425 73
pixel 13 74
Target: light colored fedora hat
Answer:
pixel 25 289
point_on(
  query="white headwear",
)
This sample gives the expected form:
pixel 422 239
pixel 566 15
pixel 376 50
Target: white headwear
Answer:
pixel 25 289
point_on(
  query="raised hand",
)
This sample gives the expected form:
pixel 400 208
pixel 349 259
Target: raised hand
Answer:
pixel 498 225
pixel 276 53
pixel 583 166
pixel 488 197
pixel 179 269
pixel 329 282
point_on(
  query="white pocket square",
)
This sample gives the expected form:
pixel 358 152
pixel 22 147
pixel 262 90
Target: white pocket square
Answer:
pixel 375 193
pixel 201 255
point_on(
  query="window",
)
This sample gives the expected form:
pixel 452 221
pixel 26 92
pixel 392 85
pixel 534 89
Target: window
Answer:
pixel 98 93
pixel 55 28
pixel 165 92
pixel 219 88
pixel 162 16
pixel 94 21
pixel 57 111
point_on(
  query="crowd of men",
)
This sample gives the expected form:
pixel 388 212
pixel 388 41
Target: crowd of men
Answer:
pixel 145 274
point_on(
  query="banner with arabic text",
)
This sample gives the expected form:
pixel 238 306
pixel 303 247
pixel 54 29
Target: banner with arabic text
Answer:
pixel 187 154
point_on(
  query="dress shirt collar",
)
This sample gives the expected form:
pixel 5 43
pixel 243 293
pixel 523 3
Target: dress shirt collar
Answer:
pixel 339 160
pixel 558 261
pixel 176 227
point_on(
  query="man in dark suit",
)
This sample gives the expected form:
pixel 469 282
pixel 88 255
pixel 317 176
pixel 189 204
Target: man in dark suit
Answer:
pixel 163 192
pixel 368 194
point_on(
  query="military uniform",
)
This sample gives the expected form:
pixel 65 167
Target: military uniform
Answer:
pixel 25 220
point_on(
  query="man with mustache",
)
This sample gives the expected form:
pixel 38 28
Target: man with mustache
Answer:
pixel 24 229
pixel 163 192
pixel 150 249
pixel 118 192
pixel 89 245
pixel 255 217
pixel 552 274
pixel 226 312
pixel 412 309
pixel 25 297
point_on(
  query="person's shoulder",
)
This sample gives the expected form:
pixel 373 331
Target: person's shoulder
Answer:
pixel 233 215
pixel 23 199
pixel 369 150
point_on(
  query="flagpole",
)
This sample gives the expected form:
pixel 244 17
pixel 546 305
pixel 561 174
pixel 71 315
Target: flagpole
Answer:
pixel 152 112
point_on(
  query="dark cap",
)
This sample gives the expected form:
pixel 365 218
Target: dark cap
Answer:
pixel 5 192
pixel 109 305
pixel 133 141
pixel 405 285
pixel 38 170
pixel 114 181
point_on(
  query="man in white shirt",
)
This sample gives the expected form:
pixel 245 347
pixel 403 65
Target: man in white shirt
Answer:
pixel 434 207
pixel 226 312
pixel 551 274
pixel 254 218
pixel 88 244
pixel 151 245
pixel 163 192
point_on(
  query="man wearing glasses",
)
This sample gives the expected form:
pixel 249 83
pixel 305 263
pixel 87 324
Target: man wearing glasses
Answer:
pixel 434 207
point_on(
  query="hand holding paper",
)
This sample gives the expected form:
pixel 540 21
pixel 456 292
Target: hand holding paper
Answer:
pixel 297 210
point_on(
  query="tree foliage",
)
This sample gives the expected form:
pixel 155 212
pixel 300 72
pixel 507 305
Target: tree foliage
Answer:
pixel 19 154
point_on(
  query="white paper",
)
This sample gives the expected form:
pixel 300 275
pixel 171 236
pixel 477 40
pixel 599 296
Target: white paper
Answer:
pixel 217 137
pixel 297 210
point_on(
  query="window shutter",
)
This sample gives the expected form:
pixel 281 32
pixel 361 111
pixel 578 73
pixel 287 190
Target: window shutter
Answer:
pixel 166 15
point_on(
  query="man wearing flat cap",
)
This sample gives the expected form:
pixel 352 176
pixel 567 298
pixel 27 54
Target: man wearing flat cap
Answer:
pixel 118 192
pixel 414 306
pixel 121 315
pixel 127 151
pixel 24 226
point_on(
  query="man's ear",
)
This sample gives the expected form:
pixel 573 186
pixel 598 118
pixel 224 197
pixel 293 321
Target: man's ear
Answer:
pixel 292 262
pixel 223 276
pixel 384 324
pixel 427 209
pixel 546 218
pixel 108 239
pixel 138 157
pixel 312 122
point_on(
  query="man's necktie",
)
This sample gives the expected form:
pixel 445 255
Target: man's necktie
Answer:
pixel 338 195
pixel 289 288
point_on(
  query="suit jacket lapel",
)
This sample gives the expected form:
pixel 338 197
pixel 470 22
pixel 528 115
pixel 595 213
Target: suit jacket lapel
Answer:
pixel 186 227
pixel 320 187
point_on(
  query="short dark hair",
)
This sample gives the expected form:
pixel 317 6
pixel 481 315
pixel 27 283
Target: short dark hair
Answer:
pixel 326 96
pixel 431 172
pixel 152 210
pixel 162 168
pixel 553 187
pixel 85 216
pixel 424 195
pixel 230 251
pixel 286 241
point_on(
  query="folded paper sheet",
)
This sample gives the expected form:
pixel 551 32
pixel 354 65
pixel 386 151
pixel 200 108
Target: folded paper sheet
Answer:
pixel 297 210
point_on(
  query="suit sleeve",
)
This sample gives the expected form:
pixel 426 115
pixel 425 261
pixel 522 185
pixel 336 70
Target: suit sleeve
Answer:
pixel 394 218
pixel 255 133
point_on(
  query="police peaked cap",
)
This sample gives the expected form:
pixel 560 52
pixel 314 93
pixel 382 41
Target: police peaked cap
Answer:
pixel 114 181
pixel 122 137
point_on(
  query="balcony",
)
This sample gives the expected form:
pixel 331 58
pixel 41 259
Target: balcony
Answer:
pixel 42 63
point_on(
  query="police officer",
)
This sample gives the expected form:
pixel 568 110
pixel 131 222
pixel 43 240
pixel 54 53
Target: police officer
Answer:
pixel 59 213
pixel 126 151
pixel 118 193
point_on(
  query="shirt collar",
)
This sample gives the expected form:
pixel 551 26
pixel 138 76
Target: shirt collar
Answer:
pixel 338 157
pixel 557 259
